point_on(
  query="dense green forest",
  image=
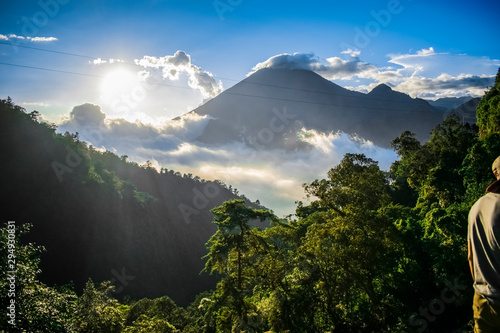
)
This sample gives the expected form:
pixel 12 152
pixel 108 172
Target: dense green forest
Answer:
pixel 374 251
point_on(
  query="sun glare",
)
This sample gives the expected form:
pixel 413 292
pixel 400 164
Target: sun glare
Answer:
pixel 118 83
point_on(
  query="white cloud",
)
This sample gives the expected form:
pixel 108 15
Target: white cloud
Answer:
pixel 336 145
pixel 335 67
pixel 428 62
pixel 426 52
pixel 173 65
pixel 352 53
pixel 42 39
pixel 446 85
pixel 93 126
pixel 39 104
pixel 13 36
pixel 291 61
pixel 31 39
pixel 87 115
pixel 344 69
pixel 425 73
pixel 100 61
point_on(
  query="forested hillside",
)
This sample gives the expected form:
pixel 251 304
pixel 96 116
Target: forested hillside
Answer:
pixel 102 217
pixel 373 251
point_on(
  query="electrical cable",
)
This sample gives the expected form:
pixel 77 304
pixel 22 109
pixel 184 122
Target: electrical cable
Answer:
pixel 227 92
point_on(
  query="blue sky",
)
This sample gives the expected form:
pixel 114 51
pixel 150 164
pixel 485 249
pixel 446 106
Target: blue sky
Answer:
pixel 151 61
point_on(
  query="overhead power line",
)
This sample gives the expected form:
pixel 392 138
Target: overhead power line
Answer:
pixel 226 92
pixel 324 103
pixel 83 74
pixel 51 51
pixel 51 70
pixel 174 86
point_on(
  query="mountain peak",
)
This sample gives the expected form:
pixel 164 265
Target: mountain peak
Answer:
pixel 386 92
pixel 381 88
pixel 300 79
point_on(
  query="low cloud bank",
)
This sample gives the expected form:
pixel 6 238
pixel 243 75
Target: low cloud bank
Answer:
pixel 274 177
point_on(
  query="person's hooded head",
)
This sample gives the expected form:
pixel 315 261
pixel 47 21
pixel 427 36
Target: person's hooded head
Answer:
pixel 495 167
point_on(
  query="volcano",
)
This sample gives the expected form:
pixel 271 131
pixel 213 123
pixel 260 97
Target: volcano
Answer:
pixel 271 106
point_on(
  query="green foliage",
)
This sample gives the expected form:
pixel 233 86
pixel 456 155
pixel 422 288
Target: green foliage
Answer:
pixel 488 110
pixel 233 251
pixel 406 145
pixel 355 182
pixel 97 311
pixel 349 253
pixel 38 308
pixel 449 174
pixel 146 310
pixel 145 324
pixel 433 169
pixel 233 231
pixel 476 166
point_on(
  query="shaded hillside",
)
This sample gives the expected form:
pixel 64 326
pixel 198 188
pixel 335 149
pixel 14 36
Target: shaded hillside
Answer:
pixel 279 102
pixel 102 217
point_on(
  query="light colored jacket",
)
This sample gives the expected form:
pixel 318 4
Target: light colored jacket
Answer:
pixel 484 238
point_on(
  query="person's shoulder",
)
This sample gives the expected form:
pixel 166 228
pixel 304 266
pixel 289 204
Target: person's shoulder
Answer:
pixel 491 196
pixel 488 199
pixel 484 200
pixel 488 196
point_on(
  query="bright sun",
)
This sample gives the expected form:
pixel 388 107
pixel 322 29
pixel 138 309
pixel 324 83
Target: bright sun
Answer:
pixel 118 83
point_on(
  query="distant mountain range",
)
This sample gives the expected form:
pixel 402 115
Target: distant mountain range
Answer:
pixel 449 103
pixel 269 107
